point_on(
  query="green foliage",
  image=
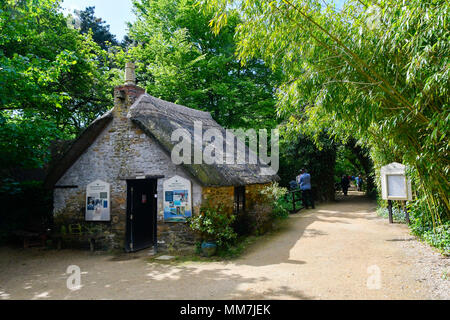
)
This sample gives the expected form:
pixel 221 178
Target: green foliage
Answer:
pixel 25 142
pixel 346 163
pixel 53 80
pixel 235 250
pixel 398 214
pixel 299 151
pixel 375 70
pixel 276 196
pixel 213 224
pixel 87 22
pixel 421 226
pixel 438 237
pixel 284 205
pixel 259 218
pixel 179 59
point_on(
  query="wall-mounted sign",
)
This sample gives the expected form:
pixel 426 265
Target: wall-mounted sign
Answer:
pixel 394 183
pixel 177 199
pixel 97 201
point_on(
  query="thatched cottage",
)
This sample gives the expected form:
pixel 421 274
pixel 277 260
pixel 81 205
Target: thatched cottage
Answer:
pixel 119 174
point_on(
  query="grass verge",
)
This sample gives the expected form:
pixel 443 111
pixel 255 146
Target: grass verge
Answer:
pixel 438 237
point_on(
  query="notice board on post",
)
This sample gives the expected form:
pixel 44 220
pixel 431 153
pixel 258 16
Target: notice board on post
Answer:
pixel 98 201
pixel 177 199
pixel 395 185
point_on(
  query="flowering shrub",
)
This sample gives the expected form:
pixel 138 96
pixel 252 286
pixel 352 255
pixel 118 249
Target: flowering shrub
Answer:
pixel 276 197
pixel 213 224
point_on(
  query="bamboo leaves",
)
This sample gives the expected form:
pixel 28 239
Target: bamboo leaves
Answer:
pixel 375 70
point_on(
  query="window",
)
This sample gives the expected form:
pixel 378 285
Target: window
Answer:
pixel 239 199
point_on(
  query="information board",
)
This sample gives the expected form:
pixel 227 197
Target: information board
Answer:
pixel 177 199
pixel 395 185
pixel 97 201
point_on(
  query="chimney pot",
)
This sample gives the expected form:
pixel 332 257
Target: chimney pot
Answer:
pixel 130 74
pixel 125 95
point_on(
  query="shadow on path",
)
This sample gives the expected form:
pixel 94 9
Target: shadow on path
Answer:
pixel 276 248
pixel 266 271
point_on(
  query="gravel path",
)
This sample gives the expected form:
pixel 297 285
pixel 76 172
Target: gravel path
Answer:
pixel 339 250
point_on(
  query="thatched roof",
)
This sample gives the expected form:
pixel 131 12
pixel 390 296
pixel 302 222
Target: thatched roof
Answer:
pixel 158 119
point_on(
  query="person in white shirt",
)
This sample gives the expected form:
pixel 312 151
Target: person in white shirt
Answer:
pixel 304 181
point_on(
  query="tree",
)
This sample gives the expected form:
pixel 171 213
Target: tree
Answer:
pixel 179 59
pixel 51 81
pixel 298 152
pixel 375 70
pixel 87 22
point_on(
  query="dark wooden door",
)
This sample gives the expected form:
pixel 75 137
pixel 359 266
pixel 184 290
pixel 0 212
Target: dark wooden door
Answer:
pixel 141 214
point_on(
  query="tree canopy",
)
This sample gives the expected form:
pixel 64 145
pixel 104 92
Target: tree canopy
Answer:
pixel 368 82
pixel 179 59
pixel 375 70
pixel 86 21
pixel 53 80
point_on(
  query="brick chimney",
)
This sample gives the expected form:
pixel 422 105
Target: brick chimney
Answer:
pixel 125 95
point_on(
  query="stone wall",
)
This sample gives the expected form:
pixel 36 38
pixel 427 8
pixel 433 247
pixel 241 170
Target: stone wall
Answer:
pixel 253 195
pixel 176 236
pixel 212 196
pixel 120 152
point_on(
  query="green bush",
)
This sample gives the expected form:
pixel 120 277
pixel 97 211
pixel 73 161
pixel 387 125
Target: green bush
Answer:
pixel 243 225
pixel 435 233
pixel 213 224
pixel 281 208
pixel 398 215
pixel 438 238
pixel 276 197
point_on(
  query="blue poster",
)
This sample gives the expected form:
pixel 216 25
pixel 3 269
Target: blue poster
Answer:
pixel 177 199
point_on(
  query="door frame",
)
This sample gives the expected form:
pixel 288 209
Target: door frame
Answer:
pixel 129 245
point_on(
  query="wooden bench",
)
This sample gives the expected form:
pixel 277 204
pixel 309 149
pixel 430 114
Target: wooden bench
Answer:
pixel 76 234
pixel 31 239
pixel 91 238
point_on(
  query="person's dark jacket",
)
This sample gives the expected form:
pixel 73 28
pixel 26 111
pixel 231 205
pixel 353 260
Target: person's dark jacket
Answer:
pixel 345 182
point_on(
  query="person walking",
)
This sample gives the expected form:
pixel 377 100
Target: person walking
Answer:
pixel 304 181
pixel 359 182
pixel 345 183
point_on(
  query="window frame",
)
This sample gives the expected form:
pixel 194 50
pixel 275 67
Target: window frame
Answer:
pixel 239 199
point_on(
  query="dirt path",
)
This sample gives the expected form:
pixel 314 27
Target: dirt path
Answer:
pixel 326 253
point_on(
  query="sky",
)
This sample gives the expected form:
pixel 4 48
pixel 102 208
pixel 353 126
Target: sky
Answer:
pixel 117 12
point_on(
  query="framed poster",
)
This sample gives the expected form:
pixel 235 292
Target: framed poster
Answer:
pixel 98 201
pixel 177 199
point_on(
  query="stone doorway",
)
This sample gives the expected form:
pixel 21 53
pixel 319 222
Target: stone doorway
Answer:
pixel 141 214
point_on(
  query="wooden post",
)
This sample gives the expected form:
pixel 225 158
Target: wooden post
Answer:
pixel 391 219
pixel 293 201
pixel 406 213
pixel 92 244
